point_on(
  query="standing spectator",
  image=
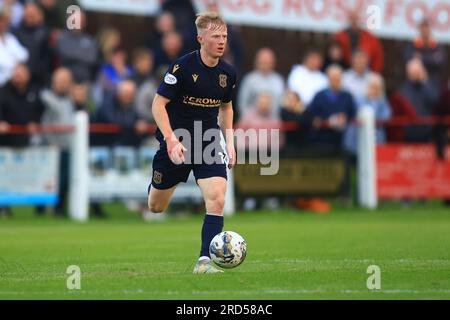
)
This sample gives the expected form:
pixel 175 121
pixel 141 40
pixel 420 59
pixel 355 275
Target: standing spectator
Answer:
pixel 143 64
pixel 108 39
pixel 165 23
pixel 429 51
pixel 171 49
pixel 78 52
pixel 120 110
pixel 263 78
pixel 422 95
pixel 354 38
pixel 34 36
pixel 355 80
pixel 11 51
pixel 443 130
pixel 19 105
pixel 334 55
pixel 81 98
pixel 334 106
pixel 60 110
pixel 374 97
pixel 16 8
pixel 307 79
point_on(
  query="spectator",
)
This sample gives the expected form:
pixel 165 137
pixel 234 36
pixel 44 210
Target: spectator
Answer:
pixel 165 23
pixel 443 130
pixel 34 36
pixel 355 80
pixel 334 55
pixel 108 39
pixel 81 98
pixel 263 78
pixel 293 111
pixel 11 51
pixel 374 97
pixel 354 38
pixel 401 108
pixel 120 110
pixel 19 105
pixel 113 72
pixel 307 79
pixel 143 64
pixel 422 95
pixel 171 49
pixel 16 8
pixel 334 106
pixel 182 11
pixel 429 51
pixel 78 52
pixel 60 110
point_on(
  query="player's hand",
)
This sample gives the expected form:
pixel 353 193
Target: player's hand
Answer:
pixel 231 151
pixel 175 150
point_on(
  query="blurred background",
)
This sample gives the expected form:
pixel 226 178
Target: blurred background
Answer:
pixel 306 68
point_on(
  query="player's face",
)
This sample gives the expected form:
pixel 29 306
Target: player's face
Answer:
pixel 215 41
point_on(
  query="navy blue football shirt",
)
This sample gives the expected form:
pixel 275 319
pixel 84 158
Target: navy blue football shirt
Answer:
pixel 196 91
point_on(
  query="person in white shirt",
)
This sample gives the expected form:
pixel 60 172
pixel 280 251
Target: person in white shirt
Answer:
pixel 263 78
pixel 355 80
pixel 11 51
pixel 308 79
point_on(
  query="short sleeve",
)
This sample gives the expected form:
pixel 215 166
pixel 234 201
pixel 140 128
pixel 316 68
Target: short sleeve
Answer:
pixel 171 83
pixel 230 90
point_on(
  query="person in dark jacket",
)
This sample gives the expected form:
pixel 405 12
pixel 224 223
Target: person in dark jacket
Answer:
pixel 20 104
pixel 120 109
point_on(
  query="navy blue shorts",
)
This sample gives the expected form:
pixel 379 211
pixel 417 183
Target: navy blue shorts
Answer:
pixel 166 174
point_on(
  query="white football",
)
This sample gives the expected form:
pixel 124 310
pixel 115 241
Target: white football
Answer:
pixel 228 249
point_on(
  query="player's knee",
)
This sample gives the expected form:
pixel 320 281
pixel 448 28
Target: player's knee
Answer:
pixel 216 203
pixel 156 207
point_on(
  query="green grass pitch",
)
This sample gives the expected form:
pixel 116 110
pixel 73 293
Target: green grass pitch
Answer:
pixel 291 255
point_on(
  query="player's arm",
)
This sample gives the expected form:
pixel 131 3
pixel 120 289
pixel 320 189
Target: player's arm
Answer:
pixel 226 125
pixel 174 147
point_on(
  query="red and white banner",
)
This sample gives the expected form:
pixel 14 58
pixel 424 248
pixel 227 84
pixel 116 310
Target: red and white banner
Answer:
pixel 386 18
pixel 412 172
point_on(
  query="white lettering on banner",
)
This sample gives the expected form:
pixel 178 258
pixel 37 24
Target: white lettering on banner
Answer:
pixel 386 18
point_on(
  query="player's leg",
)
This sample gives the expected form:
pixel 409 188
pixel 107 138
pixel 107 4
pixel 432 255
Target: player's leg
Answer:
pixel 159 199
pixel 213 190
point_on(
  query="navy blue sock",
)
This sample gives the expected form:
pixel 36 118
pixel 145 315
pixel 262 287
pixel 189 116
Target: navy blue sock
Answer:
pixel 212 225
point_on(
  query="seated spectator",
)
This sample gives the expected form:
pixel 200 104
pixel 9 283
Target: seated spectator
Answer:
pixel 34 36
pixel 355 38
pixel 263 78
pixel 20 104
pixel 11 51
pixel 81 97
pixel 334 55
pixel 333 106
pixel 145 82
pixel 422 95
pixel 374 97
pixel 307 79
pixel 78 52
pixel 171 49
pixel 429 51
pixel 120 110
pixel 113 72
pixel 355 80
pixel 60 110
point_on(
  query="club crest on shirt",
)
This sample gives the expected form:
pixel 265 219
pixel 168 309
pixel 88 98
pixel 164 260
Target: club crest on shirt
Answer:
pixel 157 177
pixel 223 80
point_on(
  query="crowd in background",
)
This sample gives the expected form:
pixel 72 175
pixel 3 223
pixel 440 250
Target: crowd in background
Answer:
pixel 48 72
